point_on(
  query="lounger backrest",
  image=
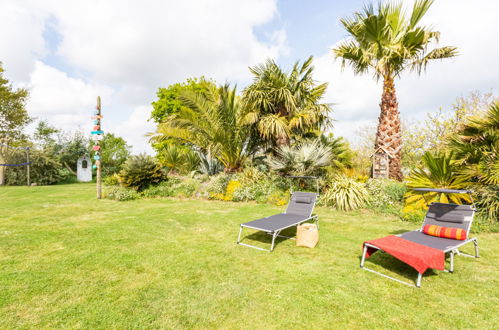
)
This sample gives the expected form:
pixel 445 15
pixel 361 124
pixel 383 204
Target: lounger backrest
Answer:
pixel 302 203
pixel 450 215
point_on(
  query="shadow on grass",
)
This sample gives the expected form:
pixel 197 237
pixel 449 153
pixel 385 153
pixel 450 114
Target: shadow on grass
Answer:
pixel 399 231
pixel 266 238
pixel 392 264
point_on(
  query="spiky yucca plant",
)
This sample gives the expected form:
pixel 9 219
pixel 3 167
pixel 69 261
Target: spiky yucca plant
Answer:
pixel 345 194
pixel 302 159
pixel 139 172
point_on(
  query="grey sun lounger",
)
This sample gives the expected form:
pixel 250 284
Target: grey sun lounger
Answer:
pixel 299 210
pixel 440 214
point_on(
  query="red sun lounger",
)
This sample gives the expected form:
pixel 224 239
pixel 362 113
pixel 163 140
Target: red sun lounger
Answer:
pixel 422 251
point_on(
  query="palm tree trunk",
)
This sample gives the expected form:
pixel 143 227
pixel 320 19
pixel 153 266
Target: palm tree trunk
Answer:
pixel 388 135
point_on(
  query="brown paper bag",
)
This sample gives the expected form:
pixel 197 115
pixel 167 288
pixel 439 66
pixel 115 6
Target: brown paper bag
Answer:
pixel 307 235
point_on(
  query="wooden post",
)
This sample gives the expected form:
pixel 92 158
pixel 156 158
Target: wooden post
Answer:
pixel 98 162
pixel 27 166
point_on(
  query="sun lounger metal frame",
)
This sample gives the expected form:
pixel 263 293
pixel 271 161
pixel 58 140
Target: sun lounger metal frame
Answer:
pixel 292 210
pixel 452 250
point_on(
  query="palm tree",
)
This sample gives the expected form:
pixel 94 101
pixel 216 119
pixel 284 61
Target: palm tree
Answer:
pixel 211 121
pixel 282 104
pixel 387 42
pixel 301 159
pixel 476 146
pixel 438 170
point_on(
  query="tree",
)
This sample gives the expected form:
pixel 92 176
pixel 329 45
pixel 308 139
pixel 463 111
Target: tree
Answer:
pixel 169 103
pixel 476 146
pixel 13 117
pixel 114 152
pixel 304 158
pixel 69 147
pixel 44 134
pixel 212 122
pixel 438 129
pixel 284 104
pixel 387 42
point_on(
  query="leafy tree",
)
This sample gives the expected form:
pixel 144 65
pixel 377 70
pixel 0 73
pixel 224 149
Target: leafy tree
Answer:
pixel 13 118
pixel 69 147
pixel 44 134
pixel 44 170
pixel 169 102
pixel 114 152
pixel 285 104
pixel 212 122
pixel 387 42
pixel 438 129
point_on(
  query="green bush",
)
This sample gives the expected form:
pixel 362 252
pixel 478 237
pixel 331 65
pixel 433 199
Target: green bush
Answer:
pixel 174 187
pixel 385 194
pixel 120 193
pixel 217 184
pixel 487 202
pixel 44 169
pixel 164 189
pixel 345 194
pixel 140 172
pixel 112 180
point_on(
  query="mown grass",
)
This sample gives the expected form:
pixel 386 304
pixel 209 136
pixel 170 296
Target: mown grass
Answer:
pixel 70 261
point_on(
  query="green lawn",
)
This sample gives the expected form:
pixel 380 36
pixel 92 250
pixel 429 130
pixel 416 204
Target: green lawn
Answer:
pixel 70 261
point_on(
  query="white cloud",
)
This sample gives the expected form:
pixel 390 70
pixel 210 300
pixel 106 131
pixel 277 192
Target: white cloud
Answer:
pixel 135 128
pixel 125 50
pixel 21 34
pixel 471 26
pixel 66 102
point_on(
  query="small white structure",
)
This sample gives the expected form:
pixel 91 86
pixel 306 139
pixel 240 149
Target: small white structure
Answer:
pixel 84 169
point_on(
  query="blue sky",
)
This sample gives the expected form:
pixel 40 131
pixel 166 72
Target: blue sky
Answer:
pixel 68 52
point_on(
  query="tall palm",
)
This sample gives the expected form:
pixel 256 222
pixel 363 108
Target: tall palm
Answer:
pixel 476 146
pixel 211 121
pixel 282 104
pixel 387 42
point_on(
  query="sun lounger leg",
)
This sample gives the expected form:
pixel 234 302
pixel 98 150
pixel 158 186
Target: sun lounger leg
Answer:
pixel 451 262
pixel 475 242
pixel 363 257
pixel 418 282
pixel 274 235
pixel 239 236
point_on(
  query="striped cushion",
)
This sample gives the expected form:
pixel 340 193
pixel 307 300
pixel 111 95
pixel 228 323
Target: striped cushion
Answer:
pixel 445 232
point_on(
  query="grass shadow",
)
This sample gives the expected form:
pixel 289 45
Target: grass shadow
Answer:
pixel 398 231
pixel 266 238
pixel 392 264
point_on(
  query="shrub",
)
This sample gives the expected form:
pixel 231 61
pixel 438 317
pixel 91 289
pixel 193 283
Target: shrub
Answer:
pixel 487 202
pixel 185 188
pixel 139 172
pixel 345 194
pixel 278 198
pixel 384 193
pixel 217 184
pixel 44 169
pixel 164 189
pixel 120 193
pixel 112 180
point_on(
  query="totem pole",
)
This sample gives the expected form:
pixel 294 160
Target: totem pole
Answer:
pixel 97 136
